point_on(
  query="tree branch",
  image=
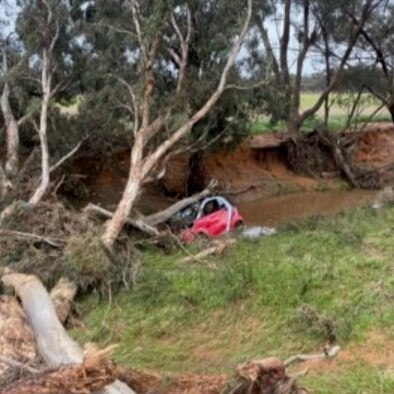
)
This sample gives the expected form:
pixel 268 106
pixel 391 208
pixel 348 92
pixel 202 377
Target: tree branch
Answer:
pixel 366 12
pixel 58 244
pixel 67 156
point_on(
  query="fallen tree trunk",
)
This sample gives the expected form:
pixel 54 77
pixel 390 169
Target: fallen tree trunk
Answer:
pixel 53 343
pixel 137 223
pixel 148 224
pixel 165 215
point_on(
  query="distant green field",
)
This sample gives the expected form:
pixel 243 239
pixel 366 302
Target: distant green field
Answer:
pixel 340 108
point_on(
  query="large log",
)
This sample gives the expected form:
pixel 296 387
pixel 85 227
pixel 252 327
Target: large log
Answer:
pixel 53 343
pixel 147 224
pixel 165 215
pixel 137 223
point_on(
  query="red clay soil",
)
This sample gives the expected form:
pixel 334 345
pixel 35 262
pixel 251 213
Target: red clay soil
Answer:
pixel 376 146
pixel 237 170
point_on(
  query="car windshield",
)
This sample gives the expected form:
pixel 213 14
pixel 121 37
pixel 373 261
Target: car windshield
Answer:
pixel 213 204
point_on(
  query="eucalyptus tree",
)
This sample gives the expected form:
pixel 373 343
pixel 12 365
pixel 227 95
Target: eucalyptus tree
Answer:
pixel 311 22
pixel 376 56
pixel 164 72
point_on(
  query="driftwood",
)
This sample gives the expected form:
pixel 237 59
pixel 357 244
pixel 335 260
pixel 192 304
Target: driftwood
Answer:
pixel 137 223
pixel 165 215
pixel 218 248
pixel 53 343
pixel 148 224
pixel 326 354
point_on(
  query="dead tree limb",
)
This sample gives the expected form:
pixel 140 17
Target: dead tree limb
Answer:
pixel 163 216
pixel 140 224
pixel 17 364
pixel 218 248
pixel 67 156
pixel 53 342
pixel 148 224
pixel 326 354
pixel 55 243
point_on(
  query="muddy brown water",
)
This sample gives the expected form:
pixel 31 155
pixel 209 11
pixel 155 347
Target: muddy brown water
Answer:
pixel 278 210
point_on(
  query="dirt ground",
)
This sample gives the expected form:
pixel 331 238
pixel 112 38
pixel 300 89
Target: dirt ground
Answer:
pixel 376 146
pixel 376 350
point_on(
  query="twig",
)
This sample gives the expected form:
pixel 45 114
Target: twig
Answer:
pixel 67 156
pixel 17 364
pixel 182 247
pixel 58 185
pixel 218 248
pixel 58 244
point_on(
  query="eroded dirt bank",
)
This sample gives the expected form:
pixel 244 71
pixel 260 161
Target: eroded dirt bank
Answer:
pixel 259 168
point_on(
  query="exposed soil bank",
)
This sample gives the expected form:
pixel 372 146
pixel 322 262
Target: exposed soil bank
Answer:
pixel 255 170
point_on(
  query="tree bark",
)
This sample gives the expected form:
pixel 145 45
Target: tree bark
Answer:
pixel 12 134
pixel 12 130
pixel 119 219
pixel 5 183
pixel 42 131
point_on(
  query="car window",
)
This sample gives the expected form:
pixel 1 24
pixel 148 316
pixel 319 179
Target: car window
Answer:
pixel 211 207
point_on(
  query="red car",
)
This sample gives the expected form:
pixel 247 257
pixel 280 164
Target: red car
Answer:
pixel 212 217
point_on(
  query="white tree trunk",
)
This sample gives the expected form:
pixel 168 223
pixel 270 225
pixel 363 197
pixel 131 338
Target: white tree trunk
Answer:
pixel 53 342
pixel 115 224
pixel 12 134
pixel 5 183
pixel 42 131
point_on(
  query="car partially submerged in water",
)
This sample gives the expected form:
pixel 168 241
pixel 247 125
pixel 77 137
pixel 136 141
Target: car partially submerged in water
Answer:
pixel 211 217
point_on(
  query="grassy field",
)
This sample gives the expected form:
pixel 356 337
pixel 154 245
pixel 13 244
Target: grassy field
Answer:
pixel 207 318
pixel 338 113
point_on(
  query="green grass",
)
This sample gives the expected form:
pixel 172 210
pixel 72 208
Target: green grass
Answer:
pixel 338 114
pixel 190 317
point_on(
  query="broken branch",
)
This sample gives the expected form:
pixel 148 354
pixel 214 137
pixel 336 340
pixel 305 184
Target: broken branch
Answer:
pixel 137 223
pixel 66 157
pixel 326 354
pixel 55 243
pixel 163 216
